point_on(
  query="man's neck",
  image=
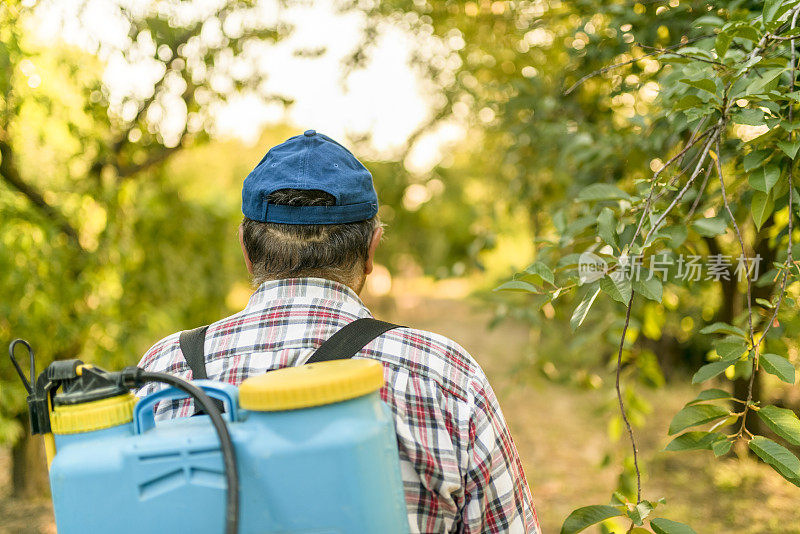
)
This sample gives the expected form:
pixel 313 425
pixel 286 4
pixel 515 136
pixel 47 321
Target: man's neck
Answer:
pixel 356 285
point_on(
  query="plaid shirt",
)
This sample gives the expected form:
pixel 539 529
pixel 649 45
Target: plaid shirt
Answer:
pixel 460 468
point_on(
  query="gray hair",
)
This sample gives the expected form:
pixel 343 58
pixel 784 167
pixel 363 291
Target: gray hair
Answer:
pixel 333 251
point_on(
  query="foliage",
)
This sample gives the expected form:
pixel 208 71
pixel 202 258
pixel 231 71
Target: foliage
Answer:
pixel 649 133
pixel 102 249
pixel 742 74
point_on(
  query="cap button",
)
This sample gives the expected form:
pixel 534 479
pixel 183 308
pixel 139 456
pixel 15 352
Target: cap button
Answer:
pixel 309 133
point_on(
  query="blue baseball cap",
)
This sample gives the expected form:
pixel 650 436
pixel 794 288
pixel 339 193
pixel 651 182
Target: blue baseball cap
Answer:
pixel 310 161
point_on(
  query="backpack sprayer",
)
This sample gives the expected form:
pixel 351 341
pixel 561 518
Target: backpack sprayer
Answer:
pixel 307 449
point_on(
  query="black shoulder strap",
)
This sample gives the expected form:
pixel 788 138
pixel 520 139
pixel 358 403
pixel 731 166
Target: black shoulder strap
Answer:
pixel 192 342
pixel 350 339
pixel 342 345
pixel 192 347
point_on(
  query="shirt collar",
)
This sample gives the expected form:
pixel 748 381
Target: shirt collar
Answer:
pixel 271 292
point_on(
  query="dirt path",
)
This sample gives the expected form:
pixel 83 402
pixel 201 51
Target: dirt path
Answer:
pixel 560 433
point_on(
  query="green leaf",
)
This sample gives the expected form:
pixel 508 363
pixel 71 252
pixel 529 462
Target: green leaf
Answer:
pixel 710 394
pixel 779 457
pixel 764 302
pixel 560 222
pixel 587 516
pixel 790 148
pixel 691 441
pixel 708 20
pixel 790 126
pixel 688 102
pixel 710 370
pixel 745 31
pixel 764 179
pixel 649 289
pixel 778 366
pixel 763 80
pixel 750 117
pixel 773 9
pixel 618 499
pixel 721 447
pixel 724 328
pixel 747 65
pixel 583 308
pixel 569 261
pixel 576 226
pixel 606 224
pixel 761 208
pixel 703 84
pixel 618 288
pixel 675 234
pixel 710 227
pixel 602 192
pixel 722 42
pixel 519 285
pixel 770 10
pixel 542 271
pixel 730 349
pixel 697 414
pixel 754 159
pixel 794 32
pixel 783 422
pixel 640 512
pixel 666 526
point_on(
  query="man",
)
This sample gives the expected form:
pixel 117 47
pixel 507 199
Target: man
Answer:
pixel 309 236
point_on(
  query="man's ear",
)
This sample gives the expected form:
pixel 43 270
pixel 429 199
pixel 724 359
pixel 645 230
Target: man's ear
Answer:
pixel 244 250
pixel 373 246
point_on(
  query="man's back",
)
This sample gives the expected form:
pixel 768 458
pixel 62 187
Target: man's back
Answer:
pixel 459 464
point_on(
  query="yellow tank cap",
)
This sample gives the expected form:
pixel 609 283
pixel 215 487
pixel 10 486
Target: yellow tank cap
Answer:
pixel 314 384
pixel 93 415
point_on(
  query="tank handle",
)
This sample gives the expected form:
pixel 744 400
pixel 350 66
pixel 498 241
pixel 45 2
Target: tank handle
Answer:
pixel 144 418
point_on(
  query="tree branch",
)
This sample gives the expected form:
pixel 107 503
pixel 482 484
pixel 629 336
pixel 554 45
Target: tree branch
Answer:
pixel 695 173
pixel 155 159
pixel 10 174
pixel 634 60
pixel 622 404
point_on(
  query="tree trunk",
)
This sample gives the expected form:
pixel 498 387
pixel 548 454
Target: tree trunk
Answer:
pixel 29 477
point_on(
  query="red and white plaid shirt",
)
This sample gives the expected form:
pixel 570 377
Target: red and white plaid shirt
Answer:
pixel 461 471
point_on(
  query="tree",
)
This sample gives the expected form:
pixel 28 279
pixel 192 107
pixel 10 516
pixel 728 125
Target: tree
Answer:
pixel 99 247
pixel 644 117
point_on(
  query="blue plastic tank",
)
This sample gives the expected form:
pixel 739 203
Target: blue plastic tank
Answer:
pixel 316 451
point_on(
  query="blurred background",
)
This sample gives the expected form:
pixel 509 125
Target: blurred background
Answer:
pixel 128 126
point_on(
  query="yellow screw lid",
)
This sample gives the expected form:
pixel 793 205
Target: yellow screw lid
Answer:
pixel 93 415
pixel 314 384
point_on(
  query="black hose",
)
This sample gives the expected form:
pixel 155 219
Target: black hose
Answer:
pixel 135 377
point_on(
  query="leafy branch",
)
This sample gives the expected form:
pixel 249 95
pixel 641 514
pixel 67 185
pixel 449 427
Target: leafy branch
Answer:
pixel 716 84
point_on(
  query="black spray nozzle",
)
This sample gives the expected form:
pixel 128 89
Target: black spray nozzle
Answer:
pixel 79 383
pixel 92 384
pixel 37 390
pixel 41 398
pixel 28 384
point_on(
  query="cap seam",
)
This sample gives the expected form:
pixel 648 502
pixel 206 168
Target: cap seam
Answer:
pixel 305 162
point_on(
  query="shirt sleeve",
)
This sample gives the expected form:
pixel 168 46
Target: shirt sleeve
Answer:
pixel 497 497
